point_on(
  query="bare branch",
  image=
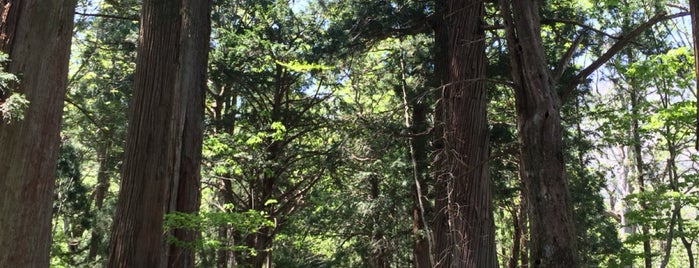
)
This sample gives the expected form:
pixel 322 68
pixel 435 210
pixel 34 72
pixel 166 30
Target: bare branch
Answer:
pixel 129 18
pixel 561 67
pixel 612 51
pixel 581 25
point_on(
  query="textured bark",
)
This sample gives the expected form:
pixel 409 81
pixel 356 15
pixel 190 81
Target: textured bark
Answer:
pixel 542 168
pixel 161 164
pixel 185 195
pixel 463 229
pixel 36 34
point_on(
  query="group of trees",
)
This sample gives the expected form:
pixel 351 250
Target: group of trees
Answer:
pixel 355 133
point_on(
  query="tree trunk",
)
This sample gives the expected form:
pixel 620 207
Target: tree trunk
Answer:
pixel 416 122
pixel 37 37
pixel 225 257
pixel 685 242
pixel 640 169
pixel 693 11
pixel 185 194
pixel 162 153
pixel 422 254
pixel 516 238
pixel 463 228
pixel 101 190
pixel 542 168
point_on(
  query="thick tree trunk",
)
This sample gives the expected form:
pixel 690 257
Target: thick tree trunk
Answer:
pixel 464 230
pixel 185 194
pixel 162 153
pixel 37 37
pixel 542 168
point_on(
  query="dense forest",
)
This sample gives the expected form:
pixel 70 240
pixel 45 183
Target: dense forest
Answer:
pixel 349 133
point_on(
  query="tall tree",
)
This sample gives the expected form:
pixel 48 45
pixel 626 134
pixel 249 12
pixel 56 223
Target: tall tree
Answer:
pixel 162 154
pixel 538 106
pixel 464 228
pixel 37 37
pixel 542 168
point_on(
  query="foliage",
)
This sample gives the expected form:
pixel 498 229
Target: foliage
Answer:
pixel 244 222
pixel 314 137
pixel 14 107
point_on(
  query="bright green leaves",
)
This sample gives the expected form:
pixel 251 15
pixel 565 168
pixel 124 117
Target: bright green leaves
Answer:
pixel 276 134
pixel 673 69
pixel 680 114
pixel 12 104
pixel 302 67
pixel 5 78
pixel 246 222
pixel 13 108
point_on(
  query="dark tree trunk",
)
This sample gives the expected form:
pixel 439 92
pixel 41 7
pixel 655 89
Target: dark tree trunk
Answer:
pixel 542 168
pixel 418 152
pixel 463 229
pixel 516 238
pixel 37 37
pixel 416 112
pixel 161 164
pixel 693 10
pixel 185 194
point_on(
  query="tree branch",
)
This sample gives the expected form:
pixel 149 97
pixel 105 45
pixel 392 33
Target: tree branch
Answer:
pixel 561 67
pixel 612 51
pixel 130 18
pixel 581 25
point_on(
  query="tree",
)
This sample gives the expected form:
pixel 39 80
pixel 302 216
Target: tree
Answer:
pixel 161 166
pixel 463 226
pixel 541 154
pixel 98 92
pixel 37 41
pixel 538 106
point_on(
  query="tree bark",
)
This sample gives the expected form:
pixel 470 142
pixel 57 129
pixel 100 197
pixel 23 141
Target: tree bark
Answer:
pixel 185 194
pixel 161 165
pixel 37 37
pixel 463 228
pixel 542 168
pixel 693 11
